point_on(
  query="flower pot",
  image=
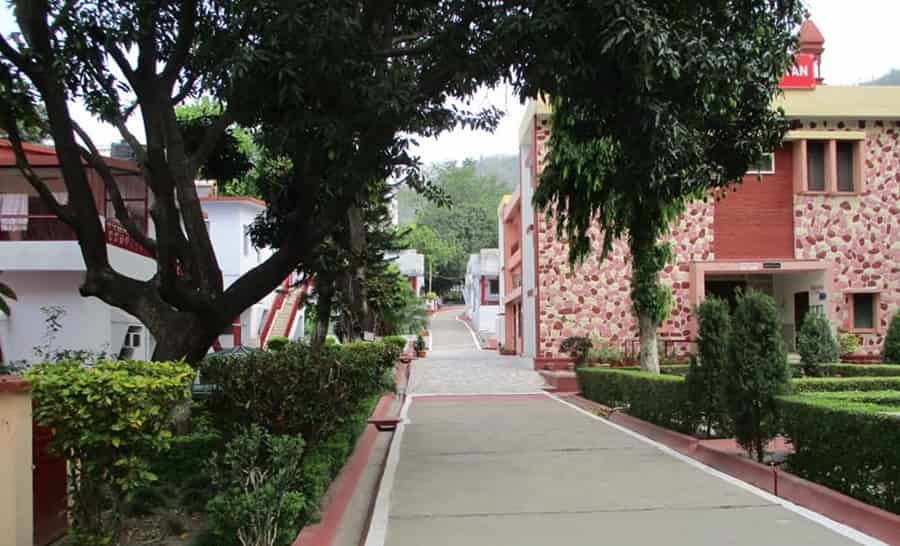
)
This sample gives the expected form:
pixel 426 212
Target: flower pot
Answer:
pixel 421 354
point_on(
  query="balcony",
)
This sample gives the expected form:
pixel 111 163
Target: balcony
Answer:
pixel 44 227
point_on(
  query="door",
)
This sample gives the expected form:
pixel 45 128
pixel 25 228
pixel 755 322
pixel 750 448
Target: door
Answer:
pixel 49 485
pixel 801 308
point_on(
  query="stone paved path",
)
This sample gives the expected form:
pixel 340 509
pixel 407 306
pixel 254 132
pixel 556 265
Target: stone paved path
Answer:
pixel 528 470
pixel 456 365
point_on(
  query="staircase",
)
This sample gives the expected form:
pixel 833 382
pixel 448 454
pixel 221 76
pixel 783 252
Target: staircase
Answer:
pixel 284 315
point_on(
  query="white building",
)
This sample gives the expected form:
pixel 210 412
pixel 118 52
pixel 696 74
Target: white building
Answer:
pixel 482 294
pixel 412 265
pixel 41 261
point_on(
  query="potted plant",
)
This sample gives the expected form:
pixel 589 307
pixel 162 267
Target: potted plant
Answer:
pixel 419 346
pixel 577 347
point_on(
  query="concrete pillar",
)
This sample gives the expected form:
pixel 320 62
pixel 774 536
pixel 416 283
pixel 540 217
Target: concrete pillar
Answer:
pixel 16 497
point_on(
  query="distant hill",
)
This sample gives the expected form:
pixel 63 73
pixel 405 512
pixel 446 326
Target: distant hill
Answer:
pixel 504 168
pixel 891 78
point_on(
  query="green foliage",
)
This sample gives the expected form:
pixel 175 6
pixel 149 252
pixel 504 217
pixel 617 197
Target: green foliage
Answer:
pixel 419 344
pixel 847 442
pixel 603 351
pixel 891 351
pixel 396 308
pixel 816 344
pixel 108 419
pixel 659 399
pixel 230 160
pixel 296 391
pixel 398 341
pixel 577 347
pixel 667 129
pixel 447 232
pixel 757 371
pixel 260 478
pixel 861 370
pixel 706 374
pixel 848 343
pixel 835 384
pixel 276 343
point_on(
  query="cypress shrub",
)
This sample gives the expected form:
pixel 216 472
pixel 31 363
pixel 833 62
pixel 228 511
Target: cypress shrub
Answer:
pixel 816 344
pixel 706 373
pixel 891 351
pixel 757 371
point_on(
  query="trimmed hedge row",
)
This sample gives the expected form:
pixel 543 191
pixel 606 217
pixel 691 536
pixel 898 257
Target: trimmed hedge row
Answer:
pixel 861 370
pixel 848 445
pixel 659 399
pixel 834 384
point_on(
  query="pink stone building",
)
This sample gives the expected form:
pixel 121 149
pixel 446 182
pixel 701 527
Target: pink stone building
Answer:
pixel 816 225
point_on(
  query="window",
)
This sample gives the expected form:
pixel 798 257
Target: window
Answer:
pixel 863 311
pixel 815 165
pixel 845 166
pixel 494 287
pixel 765 165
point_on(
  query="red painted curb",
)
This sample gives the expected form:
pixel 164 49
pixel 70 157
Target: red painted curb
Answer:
pixel 341 490
pixel 863 517
pixel 13 384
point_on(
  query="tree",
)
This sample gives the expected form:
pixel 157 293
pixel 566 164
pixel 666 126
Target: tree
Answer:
pixel 437 251
pixel 891 351
pixel 230 159
pixel 816 343
pixel 335 90
pixel 706 375
pixel 654 105
pixel 757 371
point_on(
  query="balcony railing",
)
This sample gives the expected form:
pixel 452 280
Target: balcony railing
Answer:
pixel 47 227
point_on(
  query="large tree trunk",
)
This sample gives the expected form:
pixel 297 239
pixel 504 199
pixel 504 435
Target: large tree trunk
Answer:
pixel 649 348
pixel 325 295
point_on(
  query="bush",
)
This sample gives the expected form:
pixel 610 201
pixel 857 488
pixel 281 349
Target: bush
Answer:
pixel 705 376
pixel 848 343
pixel 107 421
pixel 577 347
pixel 861 370
pixel 891 350
pixel 398 341
pixel 848 445
pixel 757 371
pixel 419 344
pixel 834 384
pixel 659 399
pixel 260 478
pixel 816 344
pixel 602 351
pixel 295 390
pixel 277 343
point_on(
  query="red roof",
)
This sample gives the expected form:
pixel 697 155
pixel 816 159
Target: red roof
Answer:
pixel 811 37
pixel 45 156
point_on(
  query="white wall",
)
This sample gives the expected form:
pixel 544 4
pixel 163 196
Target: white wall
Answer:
pixel 486 319
pixel 85 326
pixel 527 249
pixel 66 256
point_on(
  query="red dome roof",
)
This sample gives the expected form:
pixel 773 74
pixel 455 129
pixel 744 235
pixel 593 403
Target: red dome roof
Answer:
pixel 811 39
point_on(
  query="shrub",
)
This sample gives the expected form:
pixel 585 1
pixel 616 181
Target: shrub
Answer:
pixel 419 344
pixel 757 371
pixel 577 347
pixel 848 343
pixel 848 445
pixel 834 384
pixel 705 376
pixel 861 370
pixel 603 351
pixel 108 420
pixel 260 478
pixel 659 399
pixel 816 344
pixel 398 341
pixel 277 343
pixel 295 390
pixel 891 350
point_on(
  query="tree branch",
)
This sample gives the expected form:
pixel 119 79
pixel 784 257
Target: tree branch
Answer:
pixel 186 31
pixel 93 157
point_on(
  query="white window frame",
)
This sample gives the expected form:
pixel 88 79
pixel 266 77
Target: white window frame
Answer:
pixel 771 170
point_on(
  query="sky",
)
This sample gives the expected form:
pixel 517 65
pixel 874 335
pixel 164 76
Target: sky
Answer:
pixel 860 45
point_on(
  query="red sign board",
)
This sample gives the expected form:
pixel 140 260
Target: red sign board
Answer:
pixel 802 74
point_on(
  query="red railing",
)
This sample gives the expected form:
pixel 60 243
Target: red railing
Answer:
pixel 47 227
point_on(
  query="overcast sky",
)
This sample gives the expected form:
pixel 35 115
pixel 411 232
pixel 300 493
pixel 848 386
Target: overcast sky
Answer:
pixel 860 45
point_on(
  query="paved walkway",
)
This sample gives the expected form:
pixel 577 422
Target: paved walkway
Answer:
pixel 457 365
pixel 528 470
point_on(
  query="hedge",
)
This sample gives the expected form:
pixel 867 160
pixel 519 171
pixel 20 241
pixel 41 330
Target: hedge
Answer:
pixel 845 444
pixel 660 399
pixel 808 384
pixel 861 370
